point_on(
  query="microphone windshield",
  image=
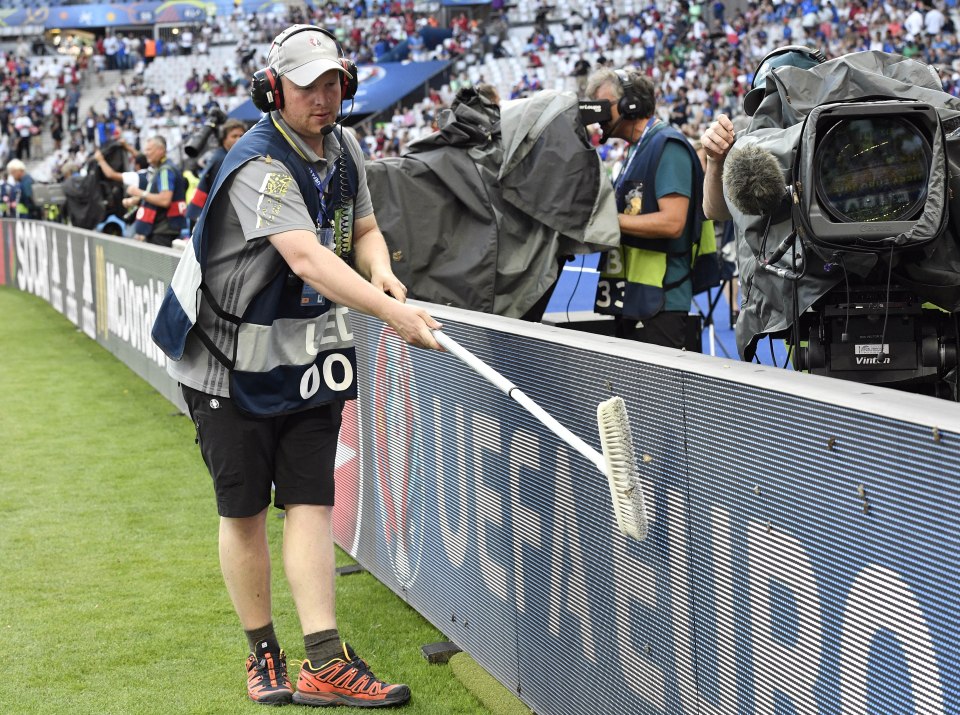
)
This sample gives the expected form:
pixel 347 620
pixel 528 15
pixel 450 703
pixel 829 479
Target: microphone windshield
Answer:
pixel 754 180
pixel 327 129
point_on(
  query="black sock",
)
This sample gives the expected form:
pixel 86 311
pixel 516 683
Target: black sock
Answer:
pixel 322 646
pixel 262 640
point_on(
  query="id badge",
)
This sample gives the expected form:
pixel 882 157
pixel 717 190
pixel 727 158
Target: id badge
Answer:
pixel 326 237
pixel 309 296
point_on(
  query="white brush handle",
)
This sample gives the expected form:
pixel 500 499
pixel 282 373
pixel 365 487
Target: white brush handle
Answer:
pixel 515 393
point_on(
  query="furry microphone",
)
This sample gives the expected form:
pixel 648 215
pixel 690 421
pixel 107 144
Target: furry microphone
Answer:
pixel 754 181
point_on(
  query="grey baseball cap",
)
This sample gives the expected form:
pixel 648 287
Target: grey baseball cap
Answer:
pixel 301 53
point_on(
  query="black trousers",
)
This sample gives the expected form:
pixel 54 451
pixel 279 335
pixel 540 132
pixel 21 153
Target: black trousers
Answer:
pixel 667 328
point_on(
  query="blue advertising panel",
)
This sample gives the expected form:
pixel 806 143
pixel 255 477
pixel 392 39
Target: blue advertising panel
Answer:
pixel 802 557
pixel 383 85
pixel 85 16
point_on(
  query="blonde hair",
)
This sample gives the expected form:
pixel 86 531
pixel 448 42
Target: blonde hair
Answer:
pixel 16 165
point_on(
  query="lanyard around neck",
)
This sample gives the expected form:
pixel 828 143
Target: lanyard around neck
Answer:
pixel 636 150
pixel 322 189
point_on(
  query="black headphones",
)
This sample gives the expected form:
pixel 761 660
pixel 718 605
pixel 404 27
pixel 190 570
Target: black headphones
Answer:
pixel 266 91
pixel 629 104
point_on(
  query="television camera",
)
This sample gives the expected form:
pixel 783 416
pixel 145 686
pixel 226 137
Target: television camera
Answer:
pixel 845 192
pixel 199 139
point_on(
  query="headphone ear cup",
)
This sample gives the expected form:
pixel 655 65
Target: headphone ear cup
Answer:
pixel 266 90
pixel 627 106
pixel 348 85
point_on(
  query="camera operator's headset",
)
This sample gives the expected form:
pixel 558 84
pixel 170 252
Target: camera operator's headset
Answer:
pixel 629 104
pixel 266 91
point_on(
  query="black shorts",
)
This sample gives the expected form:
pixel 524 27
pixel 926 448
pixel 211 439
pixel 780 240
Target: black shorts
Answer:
pixel 295 453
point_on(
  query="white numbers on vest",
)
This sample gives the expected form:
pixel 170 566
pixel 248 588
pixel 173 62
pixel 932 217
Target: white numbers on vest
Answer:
pixel 614 262
pixel 311 382
pixel 604 290
pixel 328 372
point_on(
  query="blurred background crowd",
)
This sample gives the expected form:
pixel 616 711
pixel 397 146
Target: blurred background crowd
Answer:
pixel 66 95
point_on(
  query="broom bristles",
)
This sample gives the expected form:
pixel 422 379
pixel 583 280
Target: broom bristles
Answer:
pixel 629 504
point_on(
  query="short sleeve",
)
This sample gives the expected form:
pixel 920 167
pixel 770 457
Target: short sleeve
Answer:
pixel 675 171
pixel 165 179
pixel 267 200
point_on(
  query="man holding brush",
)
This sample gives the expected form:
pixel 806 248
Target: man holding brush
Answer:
pixel 257 328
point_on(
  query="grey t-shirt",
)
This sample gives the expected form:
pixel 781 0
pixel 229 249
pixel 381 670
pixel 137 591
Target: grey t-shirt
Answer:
pixel 260 199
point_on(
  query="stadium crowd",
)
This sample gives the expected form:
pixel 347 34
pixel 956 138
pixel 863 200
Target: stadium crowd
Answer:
pixel 699 55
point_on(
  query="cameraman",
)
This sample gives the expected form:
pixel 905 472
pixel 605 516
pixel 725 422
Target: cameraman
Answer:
pixel 230 132
pixel 718 139
pixel 646 283
pixel 162 205
pixel 138 177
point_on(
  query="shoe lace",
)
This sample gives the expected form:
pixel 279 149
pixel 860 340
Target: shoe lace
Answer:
pixel 362 669
pixel 279 666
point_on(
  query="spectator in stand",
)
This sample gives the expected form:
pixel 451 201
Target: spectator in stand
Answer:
pixel 57 106
pixel 23 126
pixel 149 50
pixel 581 70
pixel 186 41
pixel 679 112
pixel 122 57
pixel 111 45
pixel 73 106
pixel 933 22
pixel 56 133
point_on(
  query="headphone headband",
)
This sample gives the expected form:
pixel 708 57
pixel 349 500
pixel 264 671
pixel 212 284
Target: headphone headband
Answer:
pixel 266 89
pixel 629 104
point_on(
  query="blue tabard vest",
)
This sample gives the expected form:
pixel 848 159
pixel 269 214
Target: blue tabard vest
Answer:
pixel 635 288
pixel 206 184
pixel 308 375
pixel 150 215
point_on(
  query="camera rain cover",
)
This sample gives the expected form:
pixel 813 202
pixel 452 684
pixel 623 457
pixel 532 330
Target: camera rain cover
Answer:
pixel 868 140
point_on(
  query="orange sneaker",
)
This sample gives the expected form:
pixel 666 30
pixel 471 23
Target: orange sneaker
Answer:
pixel 267 681
pixel 346 680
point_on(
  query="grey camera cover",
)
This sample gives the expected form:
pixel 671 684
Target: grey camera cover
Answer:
pixel 477 214
pixel 933 272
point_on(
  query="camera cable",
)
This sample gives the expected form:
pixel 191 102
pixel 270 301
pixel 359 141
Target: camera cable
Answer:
pixel 844 336
pixel 576 284
pixel 886 305
pixel 797 336
pixel 788 243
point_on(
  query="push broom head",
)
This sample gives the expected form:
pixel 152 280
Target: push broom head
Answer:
pixel 629 505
